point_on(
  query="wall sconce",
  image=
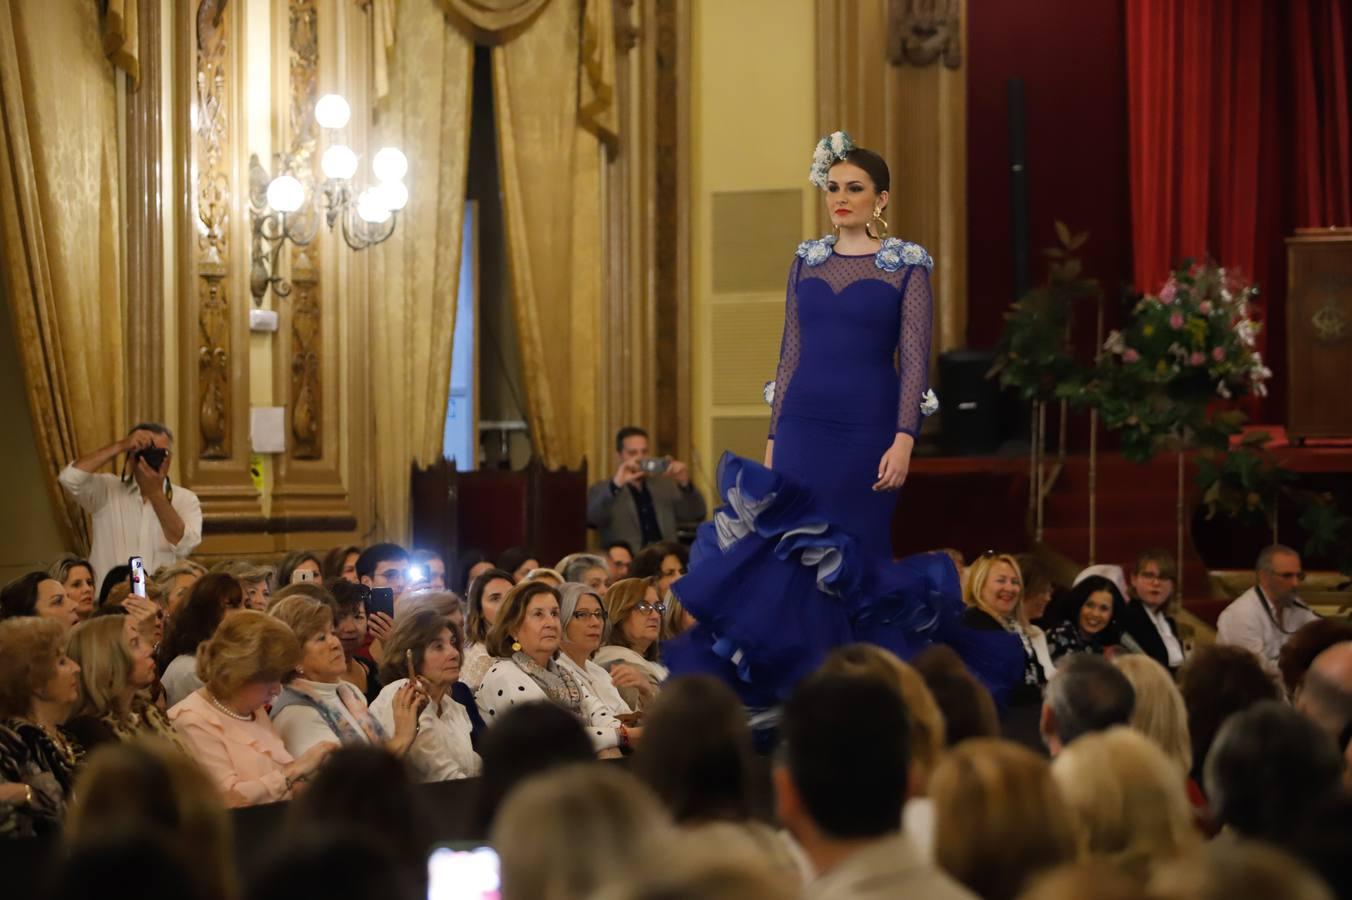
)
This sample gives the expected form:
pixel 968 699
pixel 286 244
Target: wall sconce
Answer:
pixel 280 211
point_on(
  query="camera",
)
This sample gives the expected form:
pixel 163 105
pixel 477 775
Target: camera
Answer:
pixel 655 465
pixel 154 456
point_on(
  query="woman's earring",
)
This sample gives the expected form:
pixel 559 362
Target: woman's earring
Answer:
pixel 300 671
pixel 516 646
pixel 875 232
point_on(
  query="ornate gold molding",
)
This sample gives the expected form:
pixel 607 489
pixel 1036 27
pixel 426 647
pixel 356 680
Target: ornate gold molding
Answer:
pixel 306 406
pixel 922 32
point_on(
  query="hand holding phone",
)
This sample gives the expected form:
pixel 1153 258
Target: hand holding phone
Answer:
pixel 464 874
pixel 381 601
pixel 138 576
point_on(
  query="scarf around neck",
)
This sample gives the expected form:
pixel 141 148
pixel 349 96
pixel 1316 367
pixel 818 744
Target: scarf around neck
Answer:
pixel 558 685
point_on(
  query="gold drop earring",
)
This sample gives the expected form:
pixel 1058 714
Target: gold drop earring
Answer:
pixel 873 231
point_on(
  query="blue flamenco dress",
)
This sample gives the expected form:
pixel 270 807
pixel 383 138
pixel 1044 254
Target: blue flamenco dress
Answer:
pixel 798 560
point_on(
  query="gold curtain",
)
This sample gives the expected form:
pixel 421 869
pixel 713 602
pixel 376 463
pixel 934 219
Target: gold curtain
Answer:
pixel 120 42
pixel 415 274
pixel 60 226
pixel 492 21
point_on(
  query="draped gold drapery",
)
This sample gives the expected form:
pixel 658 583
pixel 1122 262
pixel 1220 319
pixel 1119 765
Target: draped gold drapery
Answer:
pixel 415 274
pixel 60 228
pixel 120 40
pixel 492 21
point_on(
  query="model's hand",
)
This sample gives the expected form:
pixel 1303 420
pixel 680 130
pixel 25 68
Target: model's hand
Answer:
pixel 894 465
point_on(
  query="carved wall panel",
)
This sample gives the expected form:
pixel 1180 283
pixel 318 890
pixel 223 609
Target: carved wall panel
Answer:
pixel 306 401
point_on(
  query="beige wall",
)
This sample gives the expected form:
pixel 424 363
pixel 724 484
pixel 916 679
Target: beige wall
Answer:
pixel 753 128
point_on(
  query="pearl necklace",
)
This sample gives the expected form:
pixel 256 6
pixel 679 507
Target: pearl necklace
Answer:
pixel 227 710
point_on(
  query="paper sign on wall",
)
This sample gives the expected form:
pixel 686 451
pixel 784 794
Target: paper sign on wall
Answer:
pixel 267 429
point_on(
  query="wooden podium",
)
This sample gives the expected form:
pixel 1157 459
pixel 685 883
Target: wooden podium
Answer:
pixel 1319 333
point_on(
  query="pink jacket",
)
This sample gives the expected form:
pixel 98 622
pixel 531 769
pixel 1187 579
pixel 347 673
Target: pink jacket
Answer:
pixel 245 759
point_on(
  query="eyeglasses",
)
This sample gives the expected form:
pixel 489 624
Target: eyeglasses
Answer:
pixel 391 574
pixel 588 614
pixel 644 608
pixel 1153 576
pixel 1289 576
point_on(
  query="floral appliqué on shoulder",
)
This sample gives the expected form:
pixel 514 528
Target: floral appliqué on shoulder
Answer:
pixel 814 253
pixel 895 253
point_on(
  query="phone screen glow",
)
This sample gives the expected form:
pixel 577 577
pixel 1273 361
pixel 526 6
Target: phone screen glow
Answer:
pixel 463 874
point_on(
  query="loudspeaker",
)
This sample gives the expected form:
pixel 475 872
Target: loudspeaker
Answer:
pixel 968 403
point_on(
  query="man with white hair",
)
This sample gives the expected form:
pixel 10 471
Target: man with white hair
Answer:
pixel 1263 617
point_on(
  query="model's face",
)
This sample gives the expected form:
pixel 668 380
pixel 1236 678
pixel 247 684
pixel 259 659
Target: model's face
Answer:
pixel 620 561
pixel 322 657
pixel 1151 585
pixel 587 624
pixel 1096 613
pixel 539 633
pixel 851 197
pixel 494 591
pixel 1000 593
pixel 55 605
pixel 142 661
pixel 441 661
pixel 178 591
pixel 79 585
pixel 643 625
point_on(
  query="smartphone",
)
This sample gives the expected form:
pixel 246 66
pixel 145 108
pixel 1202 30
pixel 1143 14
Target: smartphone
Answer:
pixel 381 601
pixel 463 872
pixel 138 576
pixel 415 574
pixel 655 465
pixel 408 663
pixel 302 575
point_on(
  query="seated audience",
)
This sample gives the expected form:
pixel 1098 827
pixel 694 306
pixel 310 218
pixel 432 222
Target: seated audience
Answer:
pixel 223 723
pixel 1216 682
pixel 311 590
pixel 447 604
pixel 95 867
pixel 1110 572
pixel 1037 588
pixel 384 566
pixel 637 505
pixel 525 641
pixel 299 566
pixel 664 562
pixel 964 703
pixel 517 562
pixel 420 672
pixel 698 758
pixel 582 615
pixel 175 581
pixel 511 754
pixel 1091 620
pixel 256 581
pixel 1088 694
pixel 196 621
pixel 116 666
pixel 152 787
pixel 1159 712
pixel 1268 770
pixel 1236 870
pixel 1128 800
pixel 469 565
pixel 77 577
pixel 340 564
pixel 328 863
pixel 585 568
pixel 847 818
pixel 570 833
pixel 1148 621
pixel 620 556
pixel 317 706
pixel 635 615
pixel 1023 829
pixel 1325 697
pixel 485 599
pixel 1262 618
pixel 38 594
pixel 548 576
pixel 430 566
pixel 349 621
pixel 117 575
pixel 1301 648
pixel 39 686
pixel 994 598
pixel 146 612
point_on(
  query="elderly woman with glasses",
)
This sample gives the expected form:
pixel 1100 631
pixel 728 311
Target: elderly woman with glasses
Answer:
pixel 525 641
pixel 635 611
pixel 583 619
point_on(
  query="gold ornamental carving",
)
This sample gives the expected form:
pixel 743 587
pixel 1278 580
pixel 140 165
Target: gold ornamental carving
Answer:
pixel 211 220
pixel 306 401
pixel 1331 322
pixel 923 32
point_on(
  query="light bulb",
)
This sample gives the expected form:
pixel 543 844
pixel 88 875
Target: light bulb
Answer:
pixel 286 194
pixel 389 164
pixel 339 162
pixel 370 209
pixel 392 194
pixel 332 111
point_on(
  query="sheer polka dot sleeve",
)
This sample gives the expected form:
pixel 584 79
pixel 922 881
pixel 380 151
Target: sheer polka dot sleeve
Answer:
pixel 913 348
pixel 788 347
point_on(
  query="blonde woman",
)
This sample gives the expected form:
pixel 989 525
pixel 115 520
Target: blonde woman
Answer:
pixel 1160 713
pixel 116 666
pixel 993 594
pixel 1128 799
pixel 176 581
pixel 635 613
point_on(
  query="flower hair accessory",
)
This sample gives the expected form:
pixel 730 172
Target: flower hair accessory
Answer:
pixel 830 150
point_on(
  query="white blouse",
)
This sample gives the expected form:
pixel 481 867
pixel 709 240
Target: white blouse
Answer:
pixel 301 726
pixel 505 685
pixel 180 679
pixel 598 680
pixel 613 654
pixel 443 750
pixel 475 665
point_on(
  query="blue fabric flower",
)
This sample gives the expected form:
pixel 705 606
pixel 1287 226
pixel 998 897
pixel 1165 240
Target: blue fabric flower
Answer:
pixel 814 253
pixel 895 253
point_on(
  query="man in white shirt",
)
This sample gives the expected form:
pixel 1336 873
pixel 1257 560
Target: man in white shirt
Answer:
pixel 140 513
pixel 1264 616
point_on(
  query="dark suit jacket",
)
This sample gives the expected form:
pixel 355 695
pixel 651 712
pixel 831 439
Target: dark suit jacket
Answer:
pixel 615 515
pixel 1136 623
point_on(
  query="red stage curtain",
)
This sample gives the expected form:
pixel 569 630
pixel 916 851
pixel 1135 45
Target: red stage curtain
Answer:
pixel 1319 38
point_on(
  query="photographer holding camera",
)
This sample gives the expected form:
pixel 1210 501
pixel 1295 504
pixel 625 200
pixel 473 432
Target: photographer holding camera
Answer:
pixel 647 496
pixel 139 513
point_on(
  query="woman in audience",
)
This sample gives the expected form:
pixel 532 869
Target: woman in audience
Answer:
pixel 525 641
pixel 147 612
pixel 340 564
pixel 443 743
pixel 517 561
pixel 116 667
pixel 1237 870
pixel 447 603
pixel 486 594
pixel 999 819
pixel 585 568
pixel 317 706
pixel 349 621
pixel 77 577
pixel 433 569
pixel 254 579
pixel 1159 713
pixel 223 723
pixel 1148 621
pixel 1128 800
pixel 1301 648
pixel 568 834
pixel 175 582
pixel 994 598
pixel 582 617
pixel 635 615
pixel 150 786
pixel 312 590
pixel 38 594
pixel 39 685
pixel 1216 682
pixel 1091 620
pixel 548 576
pixel 665 561
pixel 1037 588
pixel 469 565
pixel 676 621
pixel 299 566
pixel 196 621
pixel 965 706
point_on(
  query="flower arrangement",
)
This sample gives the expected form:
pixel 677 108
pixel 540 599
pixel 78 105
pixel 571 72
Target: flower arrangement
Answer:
pixel 1186 347
pixel 829 151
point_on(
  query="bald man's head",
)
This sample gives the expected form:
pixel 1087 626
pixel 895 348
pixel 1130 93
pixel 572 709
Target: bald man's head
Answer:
pixel 1326 695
